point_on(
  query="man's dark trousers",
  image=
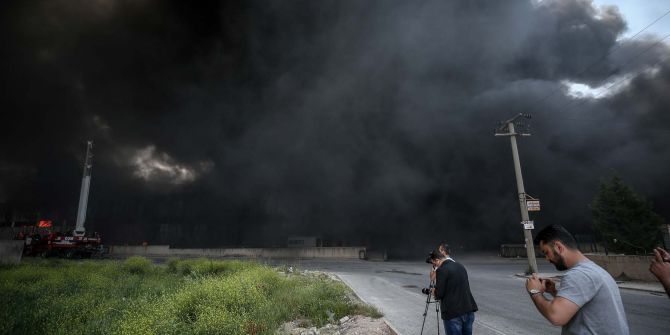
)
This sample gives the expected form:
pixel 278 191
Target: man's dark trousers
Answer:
pixel 460 325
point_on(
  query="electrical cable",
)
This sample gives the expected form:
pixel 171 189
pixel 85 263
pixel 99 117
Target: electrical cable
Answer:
pixel 553 92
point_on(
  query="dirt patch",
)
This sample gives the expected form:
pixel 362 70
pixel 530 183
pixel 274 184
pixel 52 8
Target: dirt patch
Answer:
pixel 355 325
pixel 348 325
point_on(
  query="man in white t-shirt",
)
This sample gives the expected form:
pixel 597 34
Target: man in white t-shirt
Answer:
pixel 588 299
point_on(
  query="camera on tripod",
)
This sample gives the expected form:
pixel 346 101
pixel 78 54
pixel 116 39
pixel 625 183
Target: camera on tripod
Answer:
pixel 432 257
pixel 426 290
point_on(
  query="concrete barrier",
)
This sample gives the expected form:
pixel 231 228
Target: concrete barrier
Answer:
pixel 624 266
pixel 314 252
pixel 376 255
pixel 629 267
pixel 140 250
pixel 519 250
pixel 11 251
pixel 7 233
pixel 516 251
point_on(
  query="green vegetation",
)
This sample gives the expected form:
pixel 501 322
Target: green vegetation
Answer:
pixel 194 296
pixel 625 219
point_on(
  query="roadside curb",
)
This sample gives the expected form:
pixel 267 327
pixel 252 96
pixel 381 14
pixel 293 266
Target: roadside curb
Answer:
pixel 393 330
pixel 641 289
pixel 386 322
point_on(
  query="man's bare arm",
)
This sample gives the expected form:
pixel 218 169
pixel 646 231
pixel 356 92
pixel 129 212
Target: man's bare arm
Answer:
pixel 558 311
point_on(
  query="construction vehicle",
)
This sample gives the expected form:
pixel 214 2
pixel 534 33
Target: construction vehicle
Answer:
pixel 43 240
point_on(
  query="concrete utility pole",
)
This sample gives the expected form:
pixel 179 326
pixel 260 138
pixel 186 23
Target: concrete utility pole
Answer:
pixel 507 129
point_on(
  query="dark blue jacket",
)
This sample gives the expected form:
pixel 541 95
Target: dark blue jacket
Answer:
pixel 453 290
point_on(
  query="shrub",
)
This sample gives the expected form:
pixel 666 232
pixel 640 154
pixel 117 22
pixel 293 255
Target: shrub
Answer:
pixel 172 263
pixel 204 267
pixel 137 265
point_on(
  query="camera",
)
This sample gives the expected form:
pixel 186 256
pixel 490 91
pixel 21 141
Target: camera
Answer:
pixel 426 290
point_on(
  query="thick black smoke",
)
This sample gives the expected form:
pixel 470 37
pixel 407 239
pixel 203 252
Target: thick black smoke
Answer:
pixel 364 122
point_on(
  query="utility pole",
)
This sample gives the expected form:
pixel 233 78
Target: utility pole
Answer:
pixel 507 128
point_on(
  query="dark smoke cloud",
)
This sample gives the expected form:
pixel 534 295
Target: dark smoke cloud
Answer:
pixel 243 122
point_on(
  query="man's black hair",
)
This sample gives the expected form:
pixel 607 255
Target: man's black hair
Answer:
pixel 435 254
pixel 556 232
pixel 445 247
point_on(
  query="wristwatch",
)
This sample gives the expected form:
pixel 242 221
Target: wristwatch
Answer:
pixel 533 292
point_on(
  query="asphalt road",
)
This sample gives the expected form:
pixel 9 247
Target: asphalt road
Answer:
pixel 504 305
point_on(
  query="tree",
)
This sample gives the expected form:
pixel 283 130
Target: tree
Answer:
pixel 625 219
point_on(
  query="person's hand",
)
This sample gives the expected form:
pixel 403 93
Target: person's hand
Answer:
pixel 534 283
pixel 549 286
pixel 660 265
pixel 432 275
pixel 665 256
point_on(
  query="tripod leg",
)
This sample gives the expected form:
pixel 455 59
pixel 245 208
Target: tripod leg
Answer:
pixel 425 312
pixel 437 316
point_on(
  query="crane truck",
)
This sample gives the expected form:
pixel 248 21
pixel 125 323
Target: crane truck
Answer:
pixel 41 240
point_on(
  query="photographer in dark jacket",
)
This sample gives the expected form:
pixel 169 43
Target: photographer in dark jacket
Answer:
pixel 453 290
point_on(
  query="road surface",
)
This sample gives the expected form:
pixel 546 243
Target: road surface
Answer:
pixel 504 306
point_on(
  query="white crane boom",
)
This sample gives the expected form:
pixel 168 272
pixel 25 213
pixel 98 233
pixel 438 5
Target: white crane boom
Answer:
pixel 83 195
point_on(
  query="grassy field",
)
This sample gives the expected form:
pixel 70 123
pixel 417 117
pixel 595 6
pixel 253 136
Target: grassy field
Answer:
pixel 194 296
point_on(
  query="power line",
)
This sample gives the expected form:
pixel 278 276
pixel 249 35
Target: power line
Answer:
pixel 571 104
pixel 616 82
pixel 610 120
pixel 618 46
pixel 580 134
pixel 649 25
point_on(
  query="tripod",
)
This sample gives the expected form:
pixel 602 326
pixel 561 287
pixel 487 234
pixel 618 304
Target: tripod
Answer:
pixel 437 311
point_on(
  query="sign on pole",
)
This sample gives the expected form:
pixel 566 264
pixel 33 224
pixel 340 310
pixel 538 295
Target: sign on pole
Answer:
pixel 528 224
pixel 533 205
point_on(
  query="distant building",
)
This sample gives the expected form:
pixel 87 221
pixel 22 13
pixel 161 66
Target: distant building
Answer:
pixel 304 241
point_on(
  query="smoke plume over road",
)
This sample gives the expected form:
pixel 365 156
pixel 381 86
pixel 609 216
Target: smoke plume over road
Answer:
pixel 364 122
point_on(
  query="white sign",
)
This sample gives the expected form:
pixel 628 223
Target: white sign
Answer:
pixel 528 224
pixel 533 205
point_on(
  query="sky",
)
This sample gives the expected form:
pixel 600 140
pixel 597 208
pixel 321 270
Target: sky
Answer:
pixel 651 19
pixel 240 123
pixel 640 15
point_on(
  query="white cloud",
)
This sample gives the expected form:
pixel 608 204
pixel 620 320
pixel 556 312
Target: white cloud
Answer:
pixel 151 165
pixel 607 89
